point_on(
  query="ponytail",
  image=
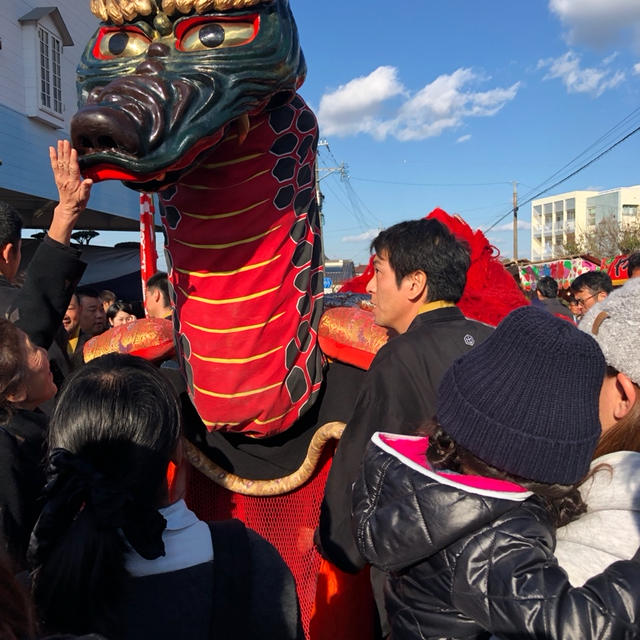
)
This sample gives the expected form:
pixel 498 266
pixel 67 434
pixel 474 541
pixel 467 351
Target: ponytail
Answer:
pixel 111 436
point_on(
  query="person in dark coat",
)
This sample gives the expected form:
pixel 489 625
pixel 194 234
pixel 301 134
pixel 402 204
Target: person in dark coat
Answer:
pixel 35 313
pixel 26 382
pixel 55 269
pixel 464 520
pixel 420 273
pixel 547 298
pixel 116 549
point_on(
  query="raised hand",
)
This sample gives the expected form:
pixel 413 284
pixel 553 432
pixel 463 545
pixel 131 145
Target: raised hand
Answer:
pixel 73 191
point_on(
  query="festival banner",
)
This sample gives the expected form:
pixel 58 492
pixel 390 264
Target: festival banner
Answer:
pixel 563 271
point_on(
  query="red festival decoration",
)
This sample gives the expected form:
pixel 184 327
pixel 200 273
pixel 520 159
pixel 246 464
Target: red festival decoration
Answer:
pixel 490 292
pixel 617 268
pixel 148 254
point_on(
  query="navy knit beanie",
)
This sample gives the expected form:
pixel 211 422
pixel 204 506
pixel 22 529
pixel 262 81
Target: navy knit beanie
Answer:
pixel 526 399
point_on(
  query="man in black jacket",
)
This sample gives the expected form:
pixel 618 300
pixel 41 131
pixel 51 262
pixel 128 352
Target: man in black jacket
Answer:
pixel 420 273
pixel 39 305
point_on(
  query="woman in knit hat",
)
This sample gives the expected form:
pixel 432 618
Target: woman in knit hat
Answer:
pixel 467 531
pixel 610 530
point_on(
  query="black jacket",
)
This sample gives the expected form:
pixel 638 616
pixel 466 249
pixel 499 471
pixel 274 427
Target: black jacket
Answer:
pixel 398 395
pixel 554 306
pixel 22 441
pixel 40 304
pixel 469 557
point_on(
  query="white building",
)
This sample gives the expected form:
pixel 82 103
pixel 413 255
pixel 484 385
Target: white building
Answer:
pixel 40 47
pixel 560 219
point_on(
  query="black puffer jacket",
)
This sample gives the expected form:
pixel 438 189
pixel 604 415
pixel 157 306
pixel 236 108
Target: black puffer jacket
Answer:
pixel 469 557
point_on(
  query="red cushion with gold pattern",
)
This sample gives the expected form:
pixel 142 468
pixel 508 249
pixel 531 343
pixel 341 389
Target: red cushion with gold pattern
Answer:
pixel 148 338
pixel 349 335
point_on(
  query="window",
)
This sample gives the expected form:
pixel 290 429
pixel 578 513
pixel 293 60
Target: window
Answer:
pixel 629 210
pixel 50 71
pixel 44 35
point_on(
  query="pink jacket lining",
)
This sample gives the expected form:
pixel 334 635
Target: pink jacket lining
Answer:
pixel 414 448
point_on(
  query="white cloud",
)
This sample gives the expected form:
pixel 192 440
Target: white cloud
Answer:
pixel 353 107
pixel 363 105
pixel 577 79
pixel 636 68
pixel 369 235
pixel 508 226
pixel 599 22
pixel 464 138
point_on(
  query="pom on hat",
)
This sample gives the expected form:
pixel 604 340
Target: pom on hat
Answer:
pixel 615 324
pixel 526 399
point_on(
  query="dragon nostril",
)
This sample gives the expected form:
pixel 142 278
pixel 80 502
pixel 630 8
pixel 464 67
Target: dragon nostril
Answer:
pixel 103 129
pixel 106 142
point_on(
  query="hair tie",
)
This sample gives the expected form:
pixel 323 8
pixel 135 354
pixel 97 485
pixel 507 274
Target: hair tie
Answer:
pixel 74 485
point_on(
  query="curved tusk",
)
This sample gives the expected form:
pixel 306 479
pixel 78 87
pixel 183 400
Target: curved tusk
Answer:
pixel 275 487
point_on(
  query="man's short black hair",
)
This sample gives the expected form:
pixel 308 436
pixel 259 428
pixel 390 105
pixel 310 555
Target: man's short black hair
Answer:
pixel 595 281
pixel 633 262
pixel 547 287
pixel 160 280
pixel 10 224
pixel 86 292
pixel 426 245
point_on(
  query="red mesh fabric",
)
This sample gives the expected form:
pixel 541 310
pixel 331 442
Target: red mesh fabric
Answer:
pixel 288 522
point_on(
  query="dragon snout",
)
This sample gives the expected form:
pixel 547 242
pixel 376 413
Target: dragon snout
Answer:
pixel 127 116
pixel 100 128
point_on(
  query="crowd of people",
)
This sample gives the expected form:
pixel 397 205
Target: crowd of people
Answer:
pixel 487 477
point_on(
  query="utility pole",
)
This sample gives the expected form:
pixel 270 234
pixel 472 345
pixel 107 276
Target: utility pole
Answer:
pixel 342 170
pixel 515 221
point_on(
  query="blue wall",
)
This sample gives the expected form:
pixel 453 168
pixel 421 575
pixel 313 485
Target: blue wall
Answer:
pixel 24 152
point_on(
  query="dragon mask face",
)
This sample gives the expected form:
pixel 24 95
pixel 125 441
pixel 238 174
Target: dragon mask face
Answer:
pixel 157 88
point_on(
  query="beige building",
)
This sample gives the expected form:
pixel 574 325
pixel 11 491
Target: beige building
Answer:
pixel 560 219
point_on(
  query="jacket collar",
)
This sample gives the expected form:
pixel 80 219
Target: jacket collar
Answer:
pixel 445 313
pixel 405 512
pixel 411 451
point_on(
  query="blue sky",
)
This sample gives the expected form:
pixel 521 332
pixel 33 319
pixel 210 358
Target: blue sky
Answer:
pixel 446 103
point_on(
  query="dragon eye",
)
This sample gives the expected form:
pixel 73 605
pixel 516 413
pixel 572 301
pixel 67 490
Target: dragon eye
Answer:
pixel 216 34
pixel 120 43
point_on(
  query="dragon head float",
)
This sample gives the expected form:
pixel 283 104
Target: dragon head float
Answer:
pixel 162 82
pixel 196 100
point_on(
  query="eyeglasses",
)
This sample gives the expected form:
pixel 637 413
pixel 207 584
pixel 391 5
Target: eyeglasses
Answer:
pixel 582 302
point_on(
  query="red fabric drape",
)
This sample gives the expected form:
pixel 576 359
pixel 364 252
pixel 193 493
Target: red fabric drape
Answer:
pixel 148 254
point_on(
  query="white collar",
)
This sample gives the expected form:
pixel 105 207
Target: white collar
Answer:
pixel 187 542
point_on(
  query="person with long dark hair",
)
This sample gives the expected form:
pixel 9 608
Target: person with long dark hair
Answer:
pixel 464 520
pixel 116 550
pixel 610 529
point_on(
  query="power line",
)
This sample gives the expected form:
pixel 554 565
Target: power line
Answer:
pixel 358 207
pixel 433 184
pixel 602 138
pixel 559 182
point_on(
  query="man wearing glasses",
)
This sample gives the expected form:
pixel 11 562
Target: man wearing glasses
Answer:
pixel 589 288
